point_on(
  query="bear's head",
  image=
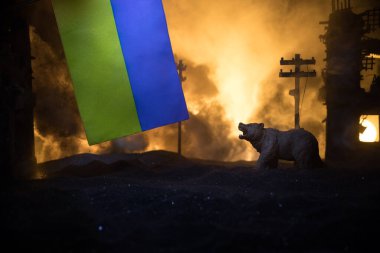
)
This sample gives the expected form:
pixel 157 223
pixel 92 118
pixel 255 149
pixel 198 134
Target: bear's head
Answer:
pixel 251 132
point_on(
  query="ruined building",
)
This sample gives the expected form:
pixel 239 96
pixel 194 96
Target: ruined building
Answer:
pixel 17 157
pixel 348 57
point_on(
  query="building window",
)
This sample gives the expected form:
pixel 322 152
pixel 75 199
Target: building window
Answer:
pixel 369 128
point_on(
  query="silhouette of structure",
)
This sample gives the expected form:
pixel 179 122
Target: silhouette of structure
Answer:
pixel 349 50
pixel 17 157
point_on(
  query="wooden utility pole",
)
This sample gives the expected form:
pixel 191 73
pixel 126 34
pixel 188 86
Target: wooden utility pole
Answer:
pixel 180 67
pixel 297 61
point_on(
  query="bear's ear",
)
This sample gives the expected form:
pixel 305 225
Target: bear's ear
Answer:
pixel 261 125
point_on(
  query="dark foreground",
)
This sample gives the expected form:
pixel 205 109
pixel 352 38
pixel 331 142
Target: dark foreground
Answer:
pixel 158 202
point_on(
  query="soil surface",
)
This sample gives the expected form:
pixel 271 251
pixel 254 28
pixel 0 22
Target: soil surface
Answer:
pixel 160 202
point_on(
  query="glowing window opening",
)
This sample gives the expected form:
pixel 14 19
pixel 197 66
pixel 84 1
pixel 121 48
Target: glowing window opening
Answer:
pixel 369 128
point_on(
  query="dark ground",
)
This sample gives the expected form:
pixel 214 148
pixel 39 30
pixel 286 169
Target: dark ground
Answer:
pixel 159 202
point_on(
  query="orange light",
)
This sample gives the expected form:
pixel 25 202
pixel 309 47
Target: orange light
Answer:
pixel 371 132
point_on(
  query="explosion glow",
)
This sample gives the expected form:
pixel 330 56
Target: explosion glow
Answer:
pixel 232 50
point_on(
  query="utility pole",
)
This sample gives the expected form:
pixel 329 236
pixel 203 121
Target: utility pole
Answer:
pixel 180 67
pixel 297 61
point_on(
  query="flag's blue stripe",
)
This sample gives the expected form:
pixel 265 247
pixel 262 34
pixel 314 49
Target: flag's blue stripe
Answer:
pixel 148 55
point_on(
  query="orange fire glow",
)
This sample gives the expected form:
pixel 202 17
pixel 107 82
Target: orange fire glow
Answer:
pixel 232 49
pixel 371 132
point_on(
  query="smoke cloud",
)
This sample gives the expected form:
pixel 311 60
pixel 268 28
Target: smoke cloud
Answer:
pixel 232 50
pixel 242 42
pixel 207 134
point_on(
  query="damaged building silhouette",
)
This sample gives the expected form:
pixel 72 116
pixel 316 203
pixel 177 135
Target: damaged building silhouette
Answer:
pixel 17 157
pixel 349 54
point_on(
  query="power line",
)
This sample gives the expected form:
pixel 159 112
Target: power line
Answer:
pixel 304 90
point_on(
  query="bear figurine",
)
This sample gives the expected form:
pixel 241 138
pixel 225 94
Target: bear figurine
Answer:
pixel 296 145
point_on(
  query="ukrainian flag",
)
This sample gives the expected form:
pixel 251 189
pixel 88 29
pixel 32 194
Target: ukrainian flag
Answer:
pixel 121 64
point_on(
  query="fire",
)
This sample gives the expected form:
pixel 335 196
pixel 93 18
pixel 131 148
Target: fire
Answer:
pixel 210 35
pixel 371 132
pixel 242 43
pixel 232 49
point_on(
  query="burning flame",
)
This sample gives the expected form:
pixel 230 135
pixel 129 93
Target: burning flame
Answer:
pixel 371 133
pixel 232 49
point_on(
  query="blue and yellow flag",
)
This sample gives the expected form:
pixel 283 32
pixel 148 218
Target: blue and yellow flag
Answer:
pixel 122 66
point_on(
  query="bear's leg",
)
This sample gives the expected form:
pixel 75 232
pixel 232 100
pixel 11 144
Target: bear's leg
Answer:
pixel 266 161
pixel 304 160
pixel 269 154
pixel 260 164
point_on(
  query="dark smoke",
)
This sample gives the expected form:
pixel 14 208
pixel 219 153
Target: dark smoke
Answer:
pixel 43 19
pixel 56 115
pixel 56 110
